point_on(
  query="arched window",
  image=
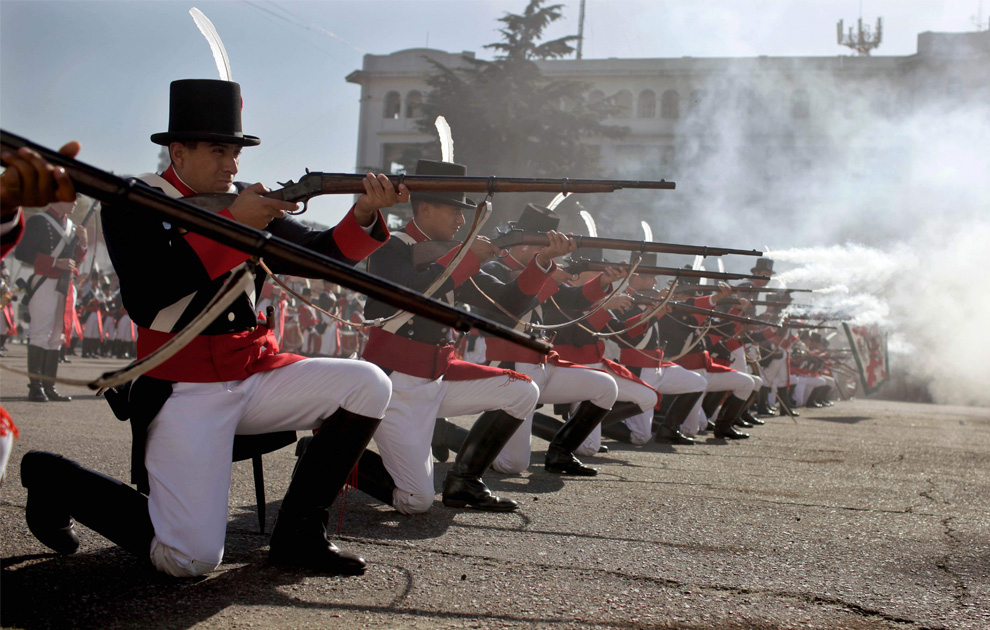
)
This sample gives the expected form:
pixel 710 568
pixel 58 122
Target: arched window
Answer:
pixel 670 105
pixel 647 106
pixel 393 105
pixel 595 96
pixel 623 100
pixel 414 104
pixel 800 104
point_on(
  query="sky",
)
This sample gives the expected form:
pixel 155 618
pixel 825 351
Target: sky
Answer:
pixel 98 72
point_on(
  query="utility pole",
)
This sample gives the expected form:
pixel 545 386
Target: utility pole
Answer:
pixel 580 30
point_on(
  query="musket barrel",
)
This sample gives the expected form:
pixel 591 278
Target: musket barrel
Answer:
pixel 336 183
pixel 690 308
pixel 520 237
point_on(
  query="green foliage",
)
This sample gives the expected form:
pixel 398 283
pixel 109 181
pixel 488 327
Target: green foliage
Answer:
pixel 506 117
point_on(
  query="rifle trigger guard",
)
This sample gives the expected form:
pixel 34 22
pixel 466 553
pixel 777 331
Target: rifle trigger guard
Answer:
pixel 305 203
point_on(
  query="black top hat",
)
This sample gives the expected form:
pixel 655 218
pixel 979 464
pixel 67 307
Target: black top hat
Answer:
pixel 456 199
pixel 205 109
pixel 536 218
pixel 762 264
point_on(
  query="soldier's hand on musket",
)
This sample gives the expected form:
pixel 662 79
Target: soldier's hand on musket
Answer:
pixel 31 181
pixel 619 302
pixel 561 276
pixel 484 248
pixel 82 237
pixel 559 245
pixel 253 209
pixel 724 291
pixel 612 274
pixel 65 264
pixel 378 193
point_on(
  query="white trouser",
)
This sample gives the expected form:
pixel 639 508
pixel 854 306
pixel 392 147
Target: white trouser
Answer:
pixel 558 385
pixel 405 435
pixel 673 380
pixel 124 329
pixel 6 446
pixel 190 443
pixel 775 374
pixel 803 386
pixel 740 363
pixel 91 329
pixel 629 391
pixel 741 385
pixel 47 311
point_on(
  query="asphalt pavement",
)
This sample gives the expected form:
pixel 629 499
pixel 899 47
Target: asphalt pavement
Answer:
pixel 868 514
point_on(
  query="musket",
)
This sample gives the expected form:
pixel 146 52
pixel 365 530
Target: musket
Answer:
pixel 111 189
pixel 577 265
pixel 774 290
pixel 803 326
pixel 513 236
pixel 313 184
pixel 690 308
pixel 647 298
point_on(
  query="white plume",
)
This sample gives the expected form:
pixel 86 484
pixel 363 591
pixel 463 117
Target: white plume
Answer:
pixel 557 200
pixel 446 139
pixel 590 222
pixel 647 231
pixel 213 39
pixel 721 265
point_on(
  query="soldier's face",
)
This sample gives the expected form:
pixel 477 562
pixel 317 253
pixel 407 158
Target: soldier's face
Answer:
pixel 763 279
pixel 439 221
pixel 209 167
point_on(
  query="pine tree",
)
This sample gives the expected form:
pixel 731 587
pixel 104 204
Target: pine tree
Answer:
pixel 510 120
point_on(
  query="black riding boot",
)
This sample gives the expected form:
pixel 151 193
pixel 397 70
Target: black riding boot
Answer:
pixel 560 457
pixel 60 490
pixel 36 365
pixel 669 430
pixel 730 411
pixel 710 403
pixel 51 369
pixel 373 479
pixel 786 402
pixel 463 486
pixel 763 407
pixel 300 536
pixel 746 418
pixel 546 427
pixel 613 425
pixel 447 437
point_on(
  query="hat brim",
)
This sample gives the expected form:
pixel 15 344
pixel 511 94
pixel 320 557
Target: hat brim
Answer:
pixel 166 138
pixel 445 201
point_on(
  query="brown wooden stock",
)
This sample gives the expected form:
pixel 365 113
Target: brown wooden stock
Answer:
pixel 512 238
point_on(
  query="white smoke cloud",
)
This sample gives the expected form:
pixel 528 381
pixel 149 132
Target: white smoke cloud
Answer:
pixel 881 199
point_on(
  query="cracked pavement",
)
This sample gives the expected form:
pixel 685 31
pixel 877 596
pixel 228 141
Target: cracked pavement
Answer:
pixel 869 514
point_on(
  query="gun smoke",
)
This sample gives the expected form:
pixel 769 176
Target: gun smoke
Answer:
pixel 879 198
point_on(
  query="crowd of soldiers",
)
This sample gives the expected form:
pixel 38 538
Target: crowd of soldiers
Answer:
pixel 625 363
